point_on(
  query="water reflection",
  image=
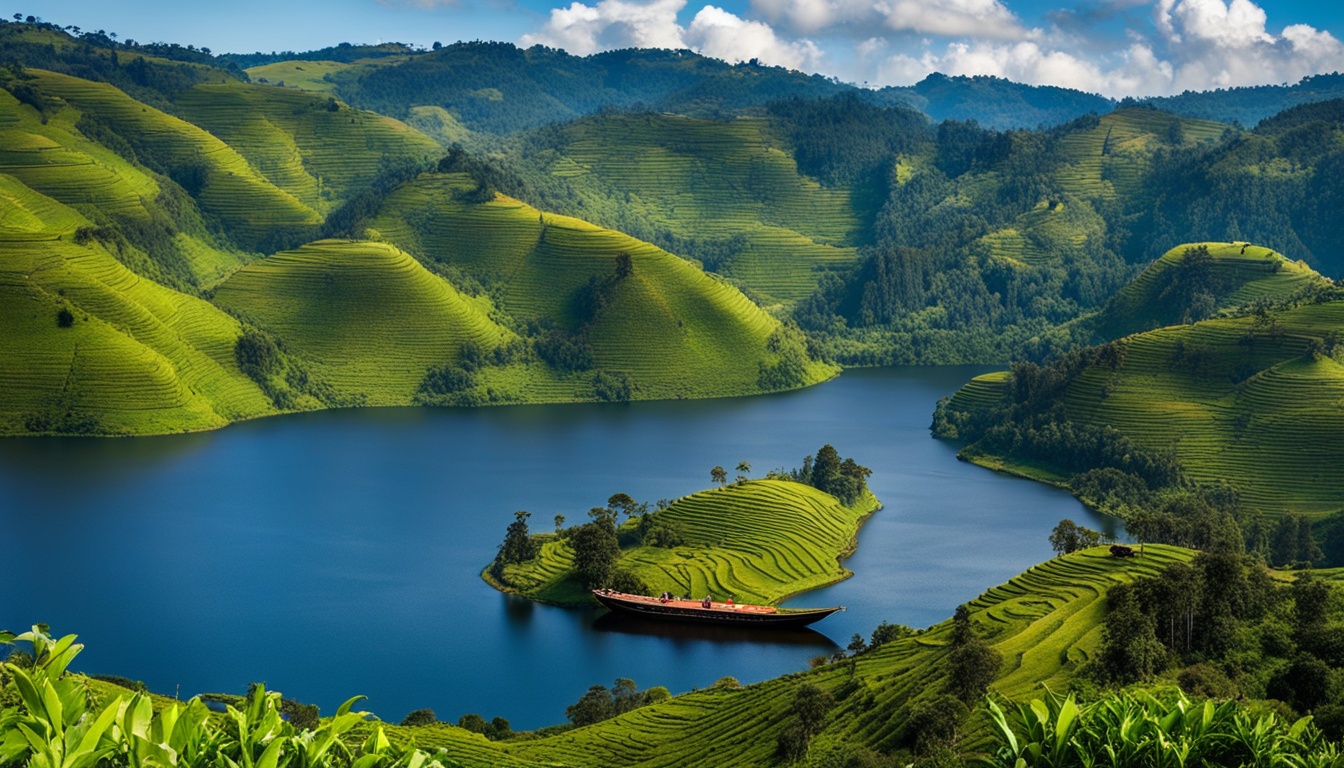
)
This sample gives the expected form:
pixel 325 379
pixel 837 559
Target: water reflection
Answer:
pixel 679 632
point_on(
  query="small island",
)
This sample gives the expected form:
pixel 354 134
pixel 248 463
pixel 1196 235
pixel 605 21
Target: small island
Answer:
pixel 757 541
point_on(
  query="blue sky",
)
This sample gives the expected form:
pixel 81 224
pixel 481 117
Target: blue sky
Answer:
pixel 1115 47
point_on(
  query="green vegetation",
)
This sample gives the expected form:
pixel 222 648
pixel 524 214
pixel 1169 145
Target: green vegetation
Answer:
pixel 759 541
pixel 363 318
pixel 1248 399
pixel 892 701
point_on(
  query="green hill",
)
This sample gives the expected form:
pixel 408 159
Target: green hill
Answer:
pixel 1194 282
pixel 760 541
pixel 365 318
pixel 318 150
pixel 92 348
pixel 253 209
pixel 1251 399
pixel 728 190
pixel 673 330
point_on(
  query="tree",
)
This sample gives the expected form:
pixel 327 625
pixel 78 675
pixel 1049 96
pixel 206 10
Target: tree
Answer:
pixel 596 550
pixel 972 666
pixel 420 717
pixel 885 633
pixel 518 546
pixel 1130 650
pixel 624 265
pixel 559 522
pixel 1069 537
pixel 743 470
pixel 808 712
pixel 64 318
pixel 718 475
pixel 624 503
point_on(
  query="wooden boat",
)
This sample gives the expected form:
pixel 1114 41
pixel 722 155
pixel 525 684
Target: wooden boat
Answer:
pixel 727 614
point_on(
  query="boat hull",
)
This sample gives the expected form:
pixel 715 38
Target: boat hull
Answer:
pixel 720 614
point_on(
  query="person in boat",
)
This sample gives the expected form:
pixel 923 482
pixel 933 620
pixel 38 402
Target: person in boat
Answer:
pixel 706 602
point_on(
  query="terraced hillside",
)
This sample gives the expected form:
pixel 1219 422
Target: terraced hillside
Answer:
pixel 1231 275
pixel 1044 622
pixel 89 347
pixel 1109 158
pixel 759 541
pixel 1256 400
pixel 317 150
pixel 218 177
pixel 366 318
pixel 673 330
pixel 714 181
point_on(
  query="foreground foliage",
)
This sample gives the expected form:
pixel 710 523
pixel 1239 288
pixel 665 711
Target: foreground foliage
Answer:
pixel 56 724
pixel 1151 729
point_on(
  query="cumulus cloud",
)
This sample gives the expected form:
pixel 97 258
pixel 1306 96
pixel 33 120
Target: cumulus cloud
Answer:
pixel 1177 45
pixel 583 29
pixel 949 18
pixel 718 33
pixel 1197 45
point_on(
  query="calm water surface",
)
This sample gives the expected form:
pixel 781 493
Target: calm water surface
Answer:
pixel 338 553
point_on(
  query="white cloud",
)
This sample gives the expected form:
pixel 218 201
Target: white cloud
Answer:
pixel 950 18
pixel 1190 44
pixel 583 29
pixel 1199 45
pixel 718 33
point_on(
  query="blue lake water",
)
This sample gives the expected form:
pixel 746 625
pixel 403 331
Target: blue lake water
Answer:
pixel 337 553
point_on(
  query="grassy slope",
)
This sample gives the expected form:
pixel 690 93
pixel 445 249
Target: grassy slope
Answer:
pixel 54 158
pixel 249 204
pixel 1044 622
pixel 1249 272
pixel 1109 160
pixel 759 541
pixel 140 358
pixel 1103 162
pixel 675 331
pixel 316 76
pixel 1238 402
pixel 713 180
pixel 317 154
pixel 366 317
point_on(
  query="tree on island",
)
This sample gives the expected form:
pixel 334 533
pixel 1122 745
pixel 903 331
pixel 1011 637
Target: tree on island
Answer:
pixel 718 475
pixel 596 549
pixel 844 479
pixel 518 546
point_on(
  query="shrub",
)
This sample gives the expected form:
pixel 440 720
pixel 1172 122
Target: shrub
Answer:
pixel 420 717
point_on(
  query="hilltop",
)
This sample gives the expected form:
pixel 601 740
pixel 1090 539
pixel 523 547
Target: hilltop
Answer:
pixel 1247 397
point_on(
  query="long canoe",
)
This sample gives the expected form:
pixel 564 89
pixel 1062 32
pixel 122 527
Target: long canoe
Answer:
pixel 695 611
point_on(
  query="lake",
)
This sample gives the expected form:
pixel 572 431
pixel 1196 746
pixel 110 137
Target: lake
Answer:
pixel 338 553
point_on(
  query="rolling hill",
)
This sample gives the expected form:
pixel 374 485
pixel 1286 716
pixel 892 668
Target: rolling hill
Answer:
pixel 728 191
pixel 364 317
pixel 90 347
pixel 672 329
pixel 1250 398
